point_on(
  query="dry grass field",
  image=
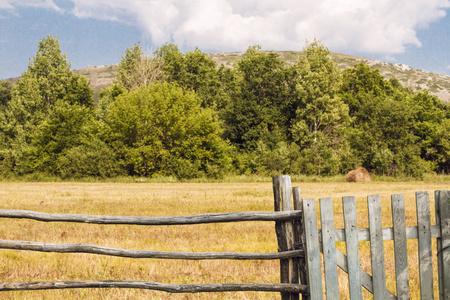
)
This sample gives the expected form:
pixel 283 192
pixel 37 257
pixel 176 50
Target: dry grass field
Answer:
pixel 172 199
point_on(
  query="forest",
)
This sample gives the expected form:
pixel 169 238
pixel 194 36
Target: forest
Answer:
pixel 178 114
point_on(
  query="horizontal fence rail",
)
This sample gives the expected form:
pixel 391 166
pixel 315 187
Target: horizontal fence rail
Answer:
pixel 277 216
pixel 157 286
pixel 388 233
pixel 94 249
pixel 350 262
pixel 299 244
pixel 158 221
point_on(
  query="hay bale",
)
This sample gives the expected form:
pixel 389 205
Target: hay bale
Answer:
pixel 358 175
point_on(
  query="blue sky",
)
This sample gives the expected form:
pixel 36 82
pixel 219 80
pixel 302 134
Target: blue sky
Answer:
pixel 411 32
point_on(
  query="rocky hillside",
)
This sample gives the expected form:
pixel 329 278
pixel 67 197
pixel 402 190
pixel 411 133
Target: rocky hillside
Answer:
pixel 437 84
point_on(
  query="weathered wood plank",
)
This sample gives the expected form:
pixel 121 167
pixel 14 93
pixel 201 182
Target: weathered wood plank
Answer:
pixel 425 252
pixel 285 233
pixel 94 249
pixel 376 247
pixel 149 285
pixel 125 220
pixel 388 233
pixel 352 246
pixel 439 246
pixel 366 279
pixel 400 247
pixel 312 252
pixel 299 238
pixel 442 203
pixel 329 248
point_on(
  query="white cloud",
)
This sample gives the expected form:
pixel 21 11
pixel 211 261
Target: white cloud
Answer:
pixel 383 27
pixel 47 4
pixel 5 4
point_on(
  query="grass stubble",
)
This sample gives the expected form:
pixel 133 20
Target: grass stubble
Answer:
pixel 173 199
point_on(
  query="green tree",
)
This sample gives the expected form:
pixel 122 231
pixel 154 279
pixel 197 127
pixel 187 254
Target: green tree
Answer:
pixel 321 115
pixel 163 130
pixel 78 91
pixel 193 70
pixel 47 81
pixel 5 93
pixel 173 62
pixel 394 131
pixel 384 138
pixel 260 101
pixel 106 97
pixel 202 77
pixel 51 70
pixel 137 69
pixel 66 144
pixel 22 115
pixel 318 83
pixel 432 128
pixel 65 127
pixel 360 83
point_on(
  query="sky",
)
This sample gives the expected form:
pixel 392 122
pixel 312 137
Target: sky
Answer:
pixel 97 32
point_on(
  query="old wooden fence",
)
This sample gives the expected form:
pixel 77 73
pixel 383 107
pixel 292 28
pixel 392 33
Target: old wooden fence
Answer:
pixel 283 217
pixel 300 243
pixel 324 240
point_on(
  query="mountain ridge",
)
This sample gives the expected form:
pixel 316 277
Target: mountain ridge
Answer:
pixel 437 84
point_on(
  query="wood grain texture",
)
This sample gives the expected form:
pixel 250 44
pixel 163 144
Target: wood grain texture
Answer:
pixel 366 279
pixel 439 246
pixel 312 251
pixel 388 233
pixel 299 239
pixel 352 246
pixel 425 252
pixel 442 204
pixel 376 247
pixel 149 285
pixel 126 220
pixel 400 246
pixel 285 233
pixel 94 249
pixel 329 248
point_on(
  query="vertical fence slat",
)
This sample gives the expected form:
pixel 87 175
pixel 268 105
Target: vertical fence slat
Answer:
pixel 400 246
pixel 352 246
pixel 425 253
pixel 442 204
pixel 376 247
pixel 329 248
pixel 285 233
pixel 299 238
pixel 439 246
pixel 312 250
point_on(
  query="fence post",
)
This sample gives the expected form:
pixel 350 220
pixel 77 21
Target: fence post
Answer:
pixel 312 253
pixel 299 239
pixel 285 233
pixel 424 238
pixel 442 205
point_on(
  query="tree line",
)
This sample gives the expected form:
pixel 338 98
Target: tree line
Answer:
pixel 180 114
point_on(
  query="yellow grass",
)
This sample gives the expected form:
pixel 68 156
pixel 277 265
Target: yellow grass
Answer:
pixel 172 199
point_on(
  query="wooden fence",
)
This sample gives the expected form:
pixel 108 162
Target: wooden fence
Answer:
pixel 283 217
pixel 324 240
pixel 300 243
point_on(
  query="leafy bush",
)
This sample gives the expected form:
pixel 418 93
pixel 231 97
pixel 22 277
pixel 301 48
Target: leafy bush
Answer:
pixel 164 131
pixel 94 158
